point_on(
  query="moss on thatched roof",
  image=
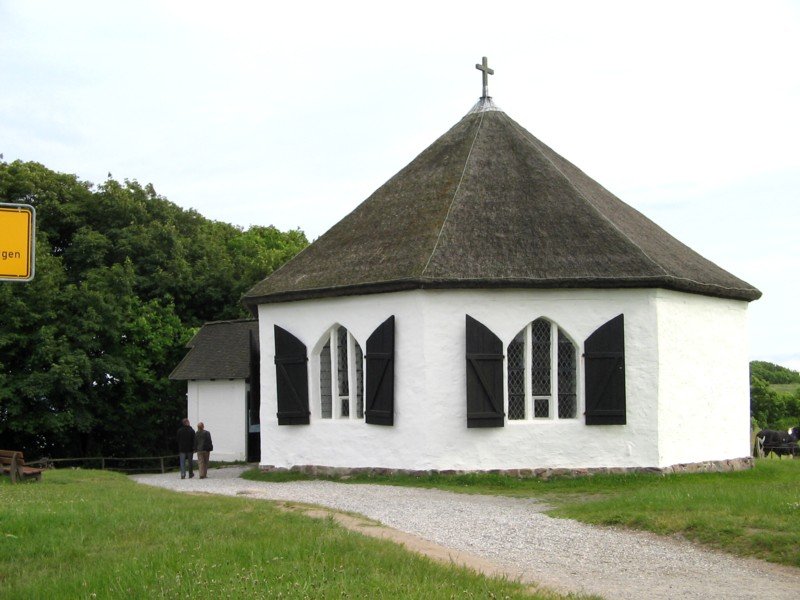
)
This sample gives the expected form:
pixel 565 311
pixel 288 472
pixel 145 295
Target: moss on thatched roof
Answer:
pixel 220 350
pixel 488 205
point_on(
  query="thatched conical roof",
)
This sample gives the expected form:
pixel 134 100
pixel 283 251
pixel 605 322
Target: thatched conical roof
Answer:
pixel 488 205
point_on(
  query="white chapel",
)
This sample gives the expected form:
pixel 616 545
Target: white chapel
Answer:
pixel 492 307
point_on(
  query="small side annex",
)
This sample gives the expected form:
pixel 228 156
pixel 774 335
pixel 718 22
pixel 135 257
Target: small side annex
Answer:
pixel 491 307
pixel 222 374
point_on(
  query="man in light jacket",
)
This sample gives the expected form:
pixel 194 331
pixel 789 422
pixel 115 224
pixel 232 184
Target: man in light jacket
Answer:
pixel 203 447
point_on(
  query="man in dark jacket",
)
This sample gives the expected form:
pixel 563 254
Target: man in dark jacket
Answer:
pixel 186 448
pixel 203 446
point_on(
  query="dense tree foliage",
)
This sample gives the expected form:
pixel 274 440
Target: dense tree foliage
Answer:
pixel 770 407
pixel 123 279
pixel 772 373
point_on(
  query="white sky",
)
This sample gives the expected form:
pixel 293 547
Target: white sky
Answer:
pixel 293 113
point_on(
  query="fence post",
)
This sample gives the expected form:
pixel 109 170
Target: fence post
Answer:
pixel 102 463
pixel 162 464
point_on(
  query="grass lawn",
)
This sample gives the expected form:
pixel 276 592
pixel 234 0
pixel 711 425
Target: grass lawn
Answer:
pixel 97 534
pixel 751 513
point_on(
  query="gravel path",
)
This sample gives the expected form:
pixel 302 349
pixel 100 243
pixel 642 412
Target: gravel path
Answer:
pixel 515 535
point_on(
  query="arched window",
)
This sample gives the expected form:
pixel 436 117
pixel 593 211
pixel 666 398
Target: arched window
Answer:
pixel 341 376
pixel 542 373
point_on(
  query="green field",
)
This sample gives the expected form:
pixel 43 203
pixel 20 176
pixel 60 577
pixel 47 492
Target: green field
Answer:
pixel 97 534
pixel 751 513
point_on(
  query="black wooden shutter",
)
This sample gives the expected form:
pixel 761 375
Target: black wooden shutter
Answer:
pixel 380 375
pixel 484 376
pixel 604 352
pixel 291 368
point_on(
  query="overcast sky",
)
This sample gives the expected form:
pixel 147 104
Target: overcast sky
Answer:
pixel 291 114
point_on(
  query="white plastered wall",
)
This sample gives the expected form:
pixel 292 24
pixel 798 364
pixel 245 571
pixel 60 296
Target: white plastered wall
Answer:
pixel 221 406
pixel 704 411
pixel 430 429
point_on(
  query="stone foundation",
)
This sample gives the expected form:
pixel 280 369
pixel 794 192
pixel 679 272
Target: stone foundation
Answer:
pixel 711 466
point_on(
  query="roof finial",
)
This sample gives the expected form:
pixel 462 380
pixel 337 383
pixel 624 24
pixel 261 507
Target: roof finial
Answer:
pixel 484 67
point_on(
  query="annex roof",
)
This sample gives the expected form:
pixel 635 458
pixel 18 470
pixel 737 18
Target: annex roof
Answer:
pixel 488 205
pixel 220 350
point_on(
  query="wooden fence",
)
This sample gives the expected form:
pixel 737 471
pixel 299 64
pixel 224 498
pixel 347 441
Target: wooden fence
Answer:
pixel 134 464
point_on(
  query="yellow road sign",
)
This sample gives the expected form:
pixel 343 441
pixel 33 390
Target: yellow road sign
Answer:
pixel 17 235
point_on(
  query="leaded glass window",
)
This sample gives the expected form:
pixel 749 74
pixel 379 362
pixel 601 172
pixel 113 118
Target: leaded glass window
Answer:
pixel 567 378
pixel 542 373
pixel 325 381
pixel 540 358
pixel 341 362
pixel 541 408
pixel 359 382
pixel 341 376
pixel 516 377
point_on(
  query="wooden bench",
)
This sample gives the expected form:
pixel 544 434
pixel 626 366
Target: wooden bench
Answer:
pixel 12 464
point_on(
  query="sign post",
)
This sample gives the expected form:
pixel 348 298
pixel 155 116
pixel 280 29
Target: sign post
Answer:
pixel 17 242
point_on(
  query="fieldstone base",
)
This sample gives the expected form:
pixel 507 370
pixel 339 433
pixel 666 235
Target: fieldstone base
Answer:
pixel 711 466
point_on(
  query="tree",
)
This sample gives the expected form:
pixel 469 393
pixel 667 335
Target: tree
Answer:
pixel 772 373
pixel 767 407
pixel 123 279
pixel 770 408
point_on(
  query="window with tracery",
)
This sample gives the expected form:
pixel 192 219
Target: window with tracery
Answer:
pixel 341 376
pixel 542 373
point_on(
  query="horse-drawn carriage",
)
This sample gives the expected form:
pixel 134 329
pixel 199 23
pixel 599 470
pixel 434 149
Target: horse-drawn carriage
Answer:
pixel 778 442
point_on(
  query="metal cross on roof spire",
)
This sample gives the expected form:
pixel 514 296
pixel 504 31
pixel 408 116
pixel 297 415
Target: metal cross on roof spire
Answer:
pixel 484 67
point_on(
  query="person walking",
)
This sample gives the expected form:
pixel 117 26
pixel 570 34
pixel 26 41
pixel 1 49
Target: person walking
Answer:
pixel 203 446
pixel 186 447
